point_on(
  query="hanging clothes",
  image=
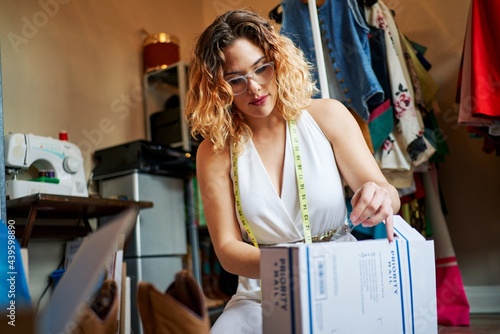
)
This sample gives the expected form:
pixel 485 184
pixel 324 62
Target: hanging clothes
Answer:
pixel 429 86
pixel 424 86
pixel 478 91
pixel 466 96
pixel 425 90
pixel 413 207
pixel 406 147
pixel 352 41
pixel 381 122
pixel 485 69
pixel 346 35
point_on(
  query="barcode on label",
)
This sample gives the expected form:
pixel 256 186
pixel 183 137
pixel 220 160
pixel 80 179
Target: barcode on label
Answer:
pixel 320 278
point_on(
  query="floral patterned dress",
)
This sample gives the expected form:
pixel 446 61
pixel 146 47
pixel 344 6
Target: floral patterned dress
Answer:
pixel 406 146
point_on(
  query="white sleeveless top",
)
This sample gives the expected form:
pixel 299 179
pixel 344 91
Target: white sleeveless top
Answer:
pixel 273 219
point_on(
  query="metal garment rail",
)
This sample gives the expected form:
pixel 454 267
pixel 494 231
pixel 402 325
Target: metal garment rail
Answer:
pixel 320 59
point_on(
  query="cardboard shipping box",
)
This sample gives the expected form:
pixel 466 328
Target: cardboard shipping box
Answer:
pixel 351 287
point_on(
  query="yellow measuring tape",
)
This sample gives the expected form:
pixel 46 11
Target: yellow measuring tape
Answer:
pixel 300 182
pixel 238 201
pixel 300 186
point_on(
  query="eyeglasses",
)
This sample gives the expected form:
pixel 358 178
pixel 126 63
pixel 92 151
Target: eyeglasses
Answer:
pixel 261 75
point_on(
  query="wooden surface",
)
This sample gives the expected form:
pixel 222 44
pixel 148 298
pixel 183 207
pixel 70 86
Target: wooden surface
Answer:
pixel 55 208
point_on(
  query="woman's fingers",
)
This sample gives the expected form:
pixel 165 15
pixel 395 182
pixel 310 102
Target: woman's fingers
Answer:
pixel 371 205
pixel 389 227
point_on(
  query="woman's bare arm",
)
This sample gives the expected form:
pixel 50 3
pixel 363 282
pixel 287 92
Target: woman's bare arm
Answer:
pixel 213 173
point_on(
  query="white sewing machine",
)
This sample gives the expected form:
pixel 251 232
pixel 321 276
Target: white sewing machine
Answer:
pixel 28 153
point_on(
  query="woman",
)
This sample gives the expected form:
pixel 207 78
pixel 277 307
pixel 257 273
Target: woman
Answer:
pixel 250 99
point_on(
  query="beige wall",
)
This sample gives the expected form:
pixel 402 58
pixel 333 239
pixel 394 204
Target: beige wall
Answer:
pixel 76 65
pixel 213 8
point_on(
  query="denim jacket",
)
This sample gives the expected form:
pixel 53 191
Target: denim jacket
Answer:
pixel 345 33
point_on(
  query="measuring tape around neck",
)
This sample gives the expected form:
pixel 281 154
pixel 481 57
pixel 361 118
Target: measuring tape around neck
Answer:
pixel 300 186
pixel 300 182
pixel 237 199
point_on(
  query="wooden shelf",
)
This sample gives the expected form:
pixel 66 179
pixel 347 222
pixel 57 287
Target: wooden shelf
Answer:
pixel 62 207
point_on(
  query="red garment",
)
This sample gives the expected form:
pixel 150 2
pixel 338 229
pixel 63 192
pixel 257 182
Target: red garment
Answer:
pixel 485 29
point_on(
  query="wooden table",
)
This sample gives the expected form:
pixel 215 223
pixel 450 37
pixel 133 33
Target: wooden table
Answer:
pixel 62 207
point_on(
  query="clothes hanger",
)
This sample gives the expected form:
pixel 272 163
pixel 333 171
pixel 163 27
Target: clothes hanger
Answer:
pixel 276 15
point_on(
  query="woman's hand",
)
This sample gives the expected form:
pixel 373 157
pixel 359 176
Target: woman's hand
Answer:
pixel 375 199
pixel 371 205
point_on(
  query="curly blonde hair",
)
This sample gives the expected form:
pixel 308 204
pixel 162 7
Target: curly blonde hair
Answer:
pixel 209 101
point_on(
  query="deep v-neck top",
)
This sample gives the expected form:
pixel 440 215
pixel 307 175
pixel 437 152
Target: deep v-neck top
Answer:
pixel 274 219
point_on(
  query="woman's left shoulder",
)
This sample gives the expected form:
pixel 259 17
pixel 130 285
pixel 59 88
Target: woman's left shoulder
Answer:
pixel 326 107
pixel 328 110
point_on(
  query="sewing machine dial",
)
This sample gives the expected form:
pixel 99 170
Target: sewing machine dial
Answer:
pixel 71 165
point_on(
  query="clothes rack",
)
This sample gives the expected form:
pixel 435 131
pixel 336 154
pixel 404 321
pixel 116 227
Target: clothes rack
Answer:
pixel 318 48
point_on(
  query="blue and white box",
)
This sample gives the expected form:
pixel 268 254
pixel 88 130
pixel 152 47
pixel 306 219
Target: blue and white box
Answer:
pixel 360 287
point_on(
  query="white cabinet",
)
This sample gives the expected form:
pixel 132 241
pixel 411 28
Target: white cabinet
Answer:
pixel 158 243
pixel 171 128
